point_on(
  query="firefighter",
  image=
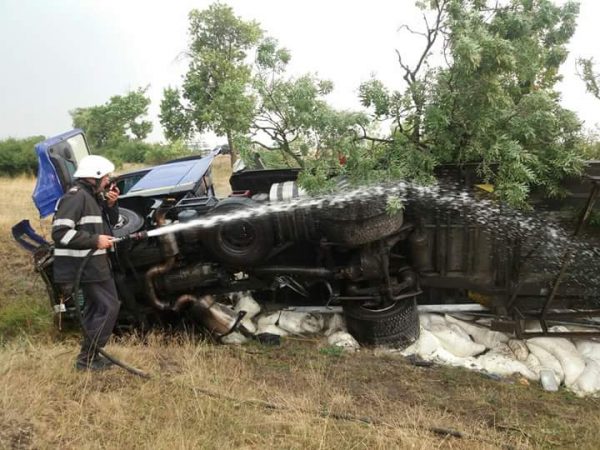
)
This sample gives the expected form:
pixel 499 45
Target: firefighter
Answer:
pixel 83 221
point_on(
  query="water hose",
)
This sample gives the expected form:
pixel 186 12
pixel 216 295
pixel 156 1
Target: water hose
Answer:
pixel 112 359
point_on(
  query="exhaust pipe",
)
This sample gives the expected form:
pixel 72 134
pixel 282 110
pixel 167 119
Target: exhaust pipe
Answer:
pixel 170 250
pixel 216 317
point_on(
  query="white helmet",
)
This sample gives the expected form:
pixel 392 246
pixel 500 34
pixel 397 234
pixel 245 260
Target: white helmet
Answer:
pixel 93 166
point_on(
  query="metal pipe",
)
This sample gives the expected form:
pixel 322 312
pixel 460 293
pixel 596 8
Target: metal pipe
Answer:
pixel 564 334
pixel 170 249
pixel 292 270
pixel 149 277
pixel 216 317
pixel 457 308
pixel 394 298
pixel 463 307
pixel 182 301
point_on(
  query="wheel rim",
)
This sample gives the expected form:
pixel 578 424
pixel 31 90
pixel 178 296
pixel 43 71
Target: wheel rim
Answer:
pixel 238 236
pixel 123 221
pixel 376 308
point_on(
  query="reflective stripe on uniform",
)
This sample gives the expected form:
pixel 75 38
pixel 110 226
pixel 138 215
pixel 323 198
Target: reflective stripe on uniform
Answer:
pixel 63 223
pixel 90 219
pixel 68 236
pixel 76 253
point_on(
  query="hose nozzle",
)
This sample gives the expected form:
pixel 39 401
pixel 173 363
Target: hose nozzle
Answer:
pixel 139 236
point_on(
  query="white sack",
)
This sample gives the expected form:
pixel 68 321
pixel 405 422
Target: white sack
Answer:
pixel 458 330
pixel 336 323
pixel 424 347
pixel 234 338
pixel 501 361
pixel 442 355
pixel 294 322
pixel 271 329
pixel 488 338
pixel 312 323
pixel 429 348
pixel 547 360
pixel 454 343
pixel 519 348
pixel 463 316
pixel 245 302
pixel 589 380
pixel 570 360
pixel 589 349
pixel 533 363
pixel 290 321
pixel 248 325
pixel 427 320
pixel 343 339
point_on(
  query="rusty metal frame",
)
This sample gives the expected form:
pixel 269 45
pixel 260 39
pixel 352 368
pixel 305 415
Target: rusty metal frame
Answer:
pixel 547 314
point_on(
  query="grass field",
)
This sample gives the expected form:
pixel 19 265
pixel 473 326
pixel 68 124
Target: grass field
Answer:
pixel 300 395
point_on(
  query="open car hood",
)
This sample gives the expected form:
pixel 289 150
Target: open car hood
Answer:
pixel 172 177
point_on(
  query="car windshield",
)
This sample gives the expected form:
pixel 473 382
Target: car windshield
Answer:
pixel 78 146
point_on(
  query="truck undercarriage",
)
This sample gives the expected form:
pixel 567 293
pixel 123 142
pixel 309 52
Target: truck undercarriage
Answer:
pixel 351 254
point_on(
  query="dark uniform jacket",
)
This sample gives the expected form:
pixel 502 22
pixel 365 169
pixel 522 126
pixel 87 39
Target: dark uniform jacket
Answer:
pixel 79 219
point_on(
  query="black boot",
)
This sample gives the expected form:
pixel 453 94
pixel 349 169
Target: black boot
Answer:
pixel 93 362
pixel 84 362
pixel 104 360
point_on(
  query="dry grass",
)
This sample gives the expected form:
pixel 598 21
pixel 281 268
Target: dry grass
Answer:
pixel 301 395
pixel 23 306
pixel 206 396
pixel 221 171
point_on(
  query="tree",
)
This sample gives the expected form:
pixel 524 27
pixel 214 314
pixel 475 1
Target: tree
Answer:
pixel 215 92
pixel 118 120
pixel 292 115
pixel 17 156
pixel 589 76
pixel 493 102
pixel 173 116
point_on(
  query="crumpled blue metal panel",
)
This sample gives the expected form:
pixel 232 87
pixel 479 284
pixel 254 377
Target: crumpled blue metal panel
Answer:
pixel 48 189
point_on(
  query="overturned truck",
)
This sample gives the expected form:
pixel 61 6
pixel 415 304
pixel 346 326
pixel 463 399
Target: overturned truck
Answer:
pixel 376 265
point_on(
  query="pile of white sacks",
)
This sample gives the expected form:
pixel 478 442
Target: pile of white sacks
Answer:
pixel 460 342
pixel 551 360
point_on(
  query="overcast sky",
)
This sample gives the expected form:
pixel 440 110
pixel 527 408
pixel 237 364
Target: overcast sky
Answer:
pixel 62 54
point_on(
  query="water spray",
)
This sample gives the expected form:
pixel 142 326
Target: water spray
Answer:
pixel 506 222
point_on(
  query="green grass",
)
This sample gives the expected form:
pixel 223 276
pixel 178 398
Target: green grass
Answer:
pixel 335 352
pixel 24 315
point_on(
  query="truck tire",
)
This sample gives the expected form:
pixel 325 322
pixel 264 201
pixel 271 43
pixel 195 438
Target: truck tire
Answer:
pixel 396 325
pixel 242 242
pixel 359 223
pixel 129 222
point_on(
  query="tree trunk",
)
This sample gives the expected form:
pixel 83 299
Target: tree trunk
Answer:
pixel 285 147
pixel 232 150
